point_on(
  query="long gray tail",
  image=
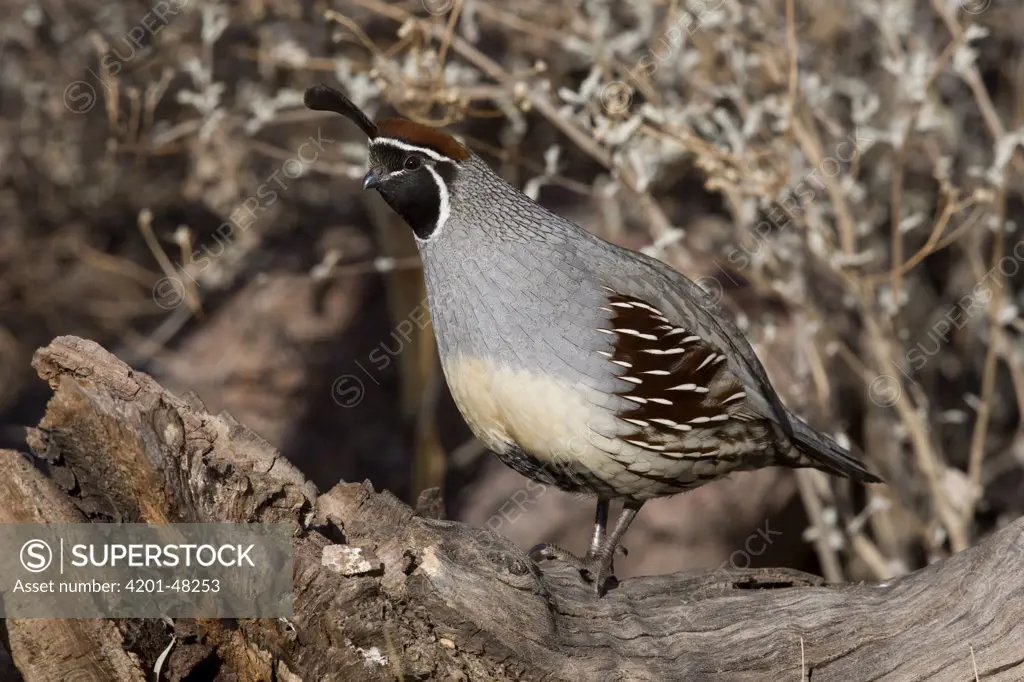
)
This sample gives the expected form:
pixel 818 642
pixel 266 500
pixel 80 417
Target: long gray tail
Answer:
pixel 821 452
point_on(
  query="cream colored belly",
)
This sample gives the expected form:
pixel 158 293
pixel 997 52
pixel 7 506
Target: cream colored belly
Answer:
pixel 557 424
pixel 504 407
pixel 550 421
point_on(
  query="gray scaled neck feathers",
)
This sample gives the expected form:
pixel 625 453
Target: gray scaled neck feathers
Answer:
pixel 494 255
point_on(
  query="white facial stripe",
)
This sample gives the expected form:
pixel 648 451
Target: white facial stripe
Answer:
pixel 443 208
pixel 398 144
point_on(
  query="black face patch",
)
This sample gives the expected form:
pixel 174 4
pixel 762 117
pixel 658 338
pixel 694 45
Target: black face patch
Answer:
pixel 414 196
pixel 408 185
pixel 447 172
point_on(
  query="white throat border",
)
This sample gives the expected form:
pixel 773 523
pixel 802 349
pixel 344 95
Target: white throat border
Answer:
pixel 444 202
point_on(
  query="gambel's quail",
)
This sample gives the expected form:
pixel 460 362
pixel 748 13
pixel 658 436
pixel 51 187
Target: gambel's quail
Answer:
pixel 581 364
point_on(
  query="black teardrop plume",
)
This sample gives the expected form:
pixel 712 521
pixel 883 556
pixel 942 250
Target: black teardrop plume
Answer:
pixel 324 98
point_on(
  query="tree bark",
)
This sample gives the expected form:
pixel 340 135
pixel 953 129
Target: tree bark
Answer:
pixel 441 600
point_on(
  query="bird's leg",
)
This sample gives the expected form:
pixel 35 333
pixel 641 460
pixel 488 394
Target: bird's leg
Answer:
pixel 600 525
pixel 600 567
pixel 597 564
pixel 549 550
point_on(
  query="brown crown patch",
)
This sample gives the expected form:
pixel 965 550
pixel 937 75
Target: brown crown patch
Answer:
pixel 420 135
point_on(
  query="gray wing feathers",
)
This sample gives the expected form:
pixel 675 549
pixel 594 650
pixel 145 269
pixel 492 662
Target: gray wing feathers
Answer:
pixel 711 322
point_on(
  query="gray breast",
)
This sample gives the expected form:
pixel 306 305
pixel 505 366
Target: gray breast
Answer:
pixel 521 305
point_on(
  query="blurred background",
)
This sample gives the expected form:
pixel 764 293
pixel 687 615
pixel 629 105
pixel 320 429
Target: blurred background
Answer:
pixel 845 174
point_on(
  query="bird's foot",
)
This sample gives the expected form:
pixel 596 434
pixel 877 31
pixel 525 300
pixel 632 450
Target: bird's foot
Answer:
pixel 595 567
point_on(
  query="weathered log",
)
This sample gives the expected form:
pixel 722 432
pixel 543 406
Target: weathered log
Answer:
pixel 442 600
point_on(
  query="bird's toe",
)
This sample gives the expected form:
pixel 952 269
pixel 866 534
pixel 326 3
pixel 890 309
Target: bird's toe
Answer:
pixel 599 570
pixel 549 551
pixel 594 567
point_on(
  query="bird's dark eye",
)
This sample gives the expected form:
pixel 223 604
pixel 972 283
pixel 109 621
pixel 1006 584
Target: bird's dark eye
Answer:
pixel 412 163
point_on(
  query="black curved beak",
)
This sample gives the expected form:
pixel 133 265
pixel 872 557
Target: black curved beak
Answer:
pixel 371 181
